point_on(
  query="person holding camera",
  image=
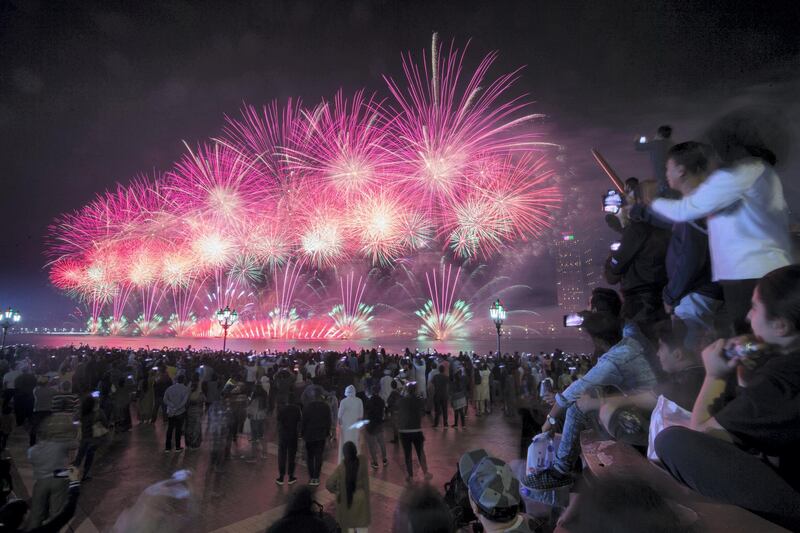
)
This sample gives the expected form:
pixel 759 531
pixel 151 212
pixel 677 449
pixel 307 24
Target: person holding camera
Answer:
pixel 743 202
pixel 638 264
pixel 623 365
pixel 751 442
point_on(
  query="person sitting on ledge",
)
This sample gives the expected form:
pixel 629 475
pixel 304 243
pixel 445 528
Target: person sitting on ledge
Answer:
pixel 745 453
pixel 623 365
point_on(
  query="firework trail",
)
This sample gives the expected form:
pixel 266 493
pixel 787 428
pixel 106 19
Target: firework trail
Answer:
pixel 450 162
pixel 351 317
pixel 443 317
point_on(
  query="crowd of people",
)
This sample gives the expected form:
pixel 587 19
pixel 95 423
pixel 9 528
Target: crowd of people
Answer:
pixel 706 317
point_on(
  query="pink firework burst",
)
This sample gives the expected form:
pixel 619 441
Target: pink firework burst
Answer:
pixel 344 146
pixel 217 183
pixel 444 126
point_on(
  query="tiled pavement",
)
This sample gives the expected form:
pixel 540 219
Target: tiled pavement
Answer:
pixel 244 498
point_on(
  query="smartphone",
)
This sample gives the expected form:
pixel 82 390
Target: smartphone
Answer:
pixel 573 320
pixel 614 246
pixel 642 139
pixel 612 202
pixel 96 394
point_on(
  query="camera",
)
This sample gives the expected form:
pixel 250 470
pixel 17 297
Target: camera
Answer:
pixel 614 246
pixel 573 320
pixel 612 201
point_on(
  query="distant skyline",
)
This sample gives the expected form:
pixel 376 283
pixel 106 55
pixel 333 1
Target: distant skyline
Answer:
pixel 91 95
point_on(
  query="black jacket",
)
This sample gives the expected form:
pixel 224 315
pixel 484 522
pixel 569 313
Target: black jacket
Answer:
pixel 689 264
pixel 639 265
pixel 440 385
pixel 409 413
pixel 289 418
pixel 316 421
pixel 373 409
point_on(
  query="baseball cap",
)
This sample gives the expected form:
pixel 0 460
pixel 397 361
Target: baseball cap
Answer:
pixel 492 485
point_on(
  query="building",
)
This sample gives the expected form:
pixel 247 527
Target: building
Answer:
pixel 570 278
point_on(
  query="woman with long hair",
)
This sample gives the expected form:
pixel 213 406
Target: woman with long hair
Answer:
pixel 194 414
pixel 762 420
pixel 350 483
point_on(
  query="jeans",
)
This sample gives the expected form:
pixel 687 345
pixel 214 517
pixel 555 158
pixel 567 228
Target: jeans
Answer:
pixel 722 471
pixel 417 439
pixel 314 451
pixel 697 312
pixel 375 441
pixel 440 409
pixel 569 450
pixel 287 452
pixel 175 425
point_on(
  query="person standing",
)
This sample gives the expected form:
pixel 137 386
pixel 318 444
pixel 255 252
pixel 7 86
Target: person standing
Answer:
pixel 162 383
pixel 657 148
pixel 440 394
pixel 194 414
pixel 744 204
pixel 316 427
pixel 482 379
pixel 42 406
pixel 350 483
pixel 94 425
pixel 289 421
pixel 419 375
pixel 351 410
pixel 175 399
pixel 257 414
pixel 458 396
pixel 409 424
pixel 375 408
pixel 690 295
pixel 392 404
pixel 147 398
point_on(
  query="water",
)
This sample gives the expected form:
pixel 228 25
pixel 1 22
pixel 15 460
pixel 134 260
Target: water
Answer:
pixel 392 345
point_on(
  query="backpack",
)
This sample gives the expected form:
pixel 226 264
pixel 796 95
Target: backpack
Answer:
pixel 456 496
pixel 477 377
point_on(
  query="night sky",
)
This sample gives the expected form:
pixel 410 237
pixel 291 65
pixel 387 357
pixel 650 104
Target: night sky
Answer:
pixel 92 93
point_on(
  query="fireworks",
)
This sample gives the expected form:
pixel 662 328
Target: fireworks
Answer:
pixel 351 318
pixel 442 316
pixel 450 161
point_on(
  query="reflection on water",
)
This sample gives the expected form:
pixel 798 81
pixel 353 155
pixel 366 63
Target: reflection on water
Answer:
pixel 392 345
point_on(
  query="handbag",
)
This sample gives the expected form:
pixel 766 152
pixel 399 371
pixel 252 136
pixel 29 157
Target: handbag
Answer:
pixel 99 430
pixel 666 414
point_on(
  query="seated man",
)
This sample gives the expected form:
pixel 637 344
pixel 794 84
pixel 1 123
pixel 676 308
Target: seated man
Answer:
pixel 626 417
pixel 715 457
pixel 624 365
pixel 494 493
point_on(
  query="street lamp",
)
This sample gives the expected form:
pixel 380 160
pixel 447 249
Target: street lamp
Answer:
pixel 7 318
pixel 498 314
pixel 226 319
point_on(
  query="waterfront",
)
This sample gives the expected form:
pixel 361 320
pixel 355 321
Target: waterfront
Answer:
pixel 392 345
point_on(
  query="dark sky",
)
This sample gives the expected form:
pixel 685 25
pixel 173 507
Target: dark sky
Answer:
pixel 95 92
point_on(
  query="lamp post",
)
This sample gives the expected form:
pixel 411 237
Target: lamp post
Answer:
pixel 226 319
pixel 498 314
pixel 7 318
